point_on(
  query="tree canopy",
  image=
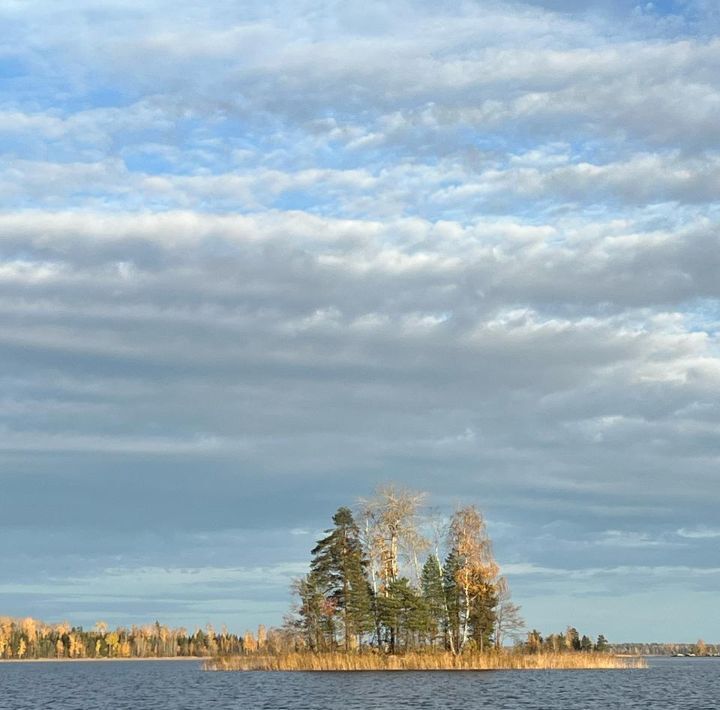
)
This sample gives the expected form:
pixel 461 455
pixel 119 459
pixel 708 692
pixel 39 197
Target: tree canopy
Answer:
pixel 373 583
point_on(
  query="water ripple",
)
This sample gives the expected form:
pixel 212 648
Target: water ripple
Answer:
pixel 669 684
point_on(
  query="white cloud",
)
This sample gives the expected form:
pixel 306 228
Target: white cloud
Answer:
pixel 699 533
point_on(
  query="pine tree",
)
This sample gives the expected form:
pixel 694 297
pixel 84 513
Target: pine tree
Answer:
pixel 403 614
pixel 340 568
pixel 431 581
pixel 483 618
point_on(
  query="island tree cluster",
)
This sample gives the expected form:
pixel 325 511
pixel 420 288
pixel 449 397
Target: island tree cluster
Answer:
pixel 383 578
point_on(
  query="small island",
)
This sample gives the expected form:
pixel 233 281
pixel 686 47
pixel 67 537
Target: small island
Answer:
pixel 393 592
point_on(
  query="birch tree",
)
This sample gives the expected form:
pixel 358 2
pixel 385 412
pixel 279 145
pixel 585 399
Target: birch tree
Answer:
pixel 391 532
pixel 474 572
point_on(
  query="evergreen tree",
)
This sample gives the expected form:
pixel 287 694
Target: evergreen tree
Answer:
pixel 482 617
pixel 453 601
pixel 601 644
pixel 340 567
pixel 433 593
pixel 586 644
pixel 572 639
pixel 403 614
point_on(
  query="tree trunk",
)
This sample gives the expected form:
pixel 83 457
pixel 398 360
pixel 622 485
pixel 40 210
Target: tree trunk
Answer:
pixel 466 619
pixel 446 621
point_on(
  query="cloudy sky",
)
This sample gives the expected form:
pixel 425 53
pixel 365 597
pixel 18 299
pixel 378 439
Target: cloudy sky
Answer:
pixel 258 257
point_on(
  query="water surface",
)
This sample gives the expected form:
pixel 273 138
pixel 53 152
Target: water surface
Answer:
pixel 682 684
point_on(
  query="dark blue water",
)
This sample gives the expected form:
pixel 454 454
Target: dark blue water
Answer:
pixel 175 685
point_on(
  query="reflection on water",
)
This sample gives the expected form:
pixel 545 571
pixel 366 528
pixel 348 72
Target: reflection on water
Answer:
pixel 173 685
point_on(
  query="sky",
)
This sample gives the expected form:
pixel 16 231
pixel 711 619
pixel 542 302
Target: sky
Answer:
pixel 257 258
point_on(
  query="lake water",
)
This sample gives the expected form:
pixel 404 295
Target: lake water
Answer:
pixel 690 683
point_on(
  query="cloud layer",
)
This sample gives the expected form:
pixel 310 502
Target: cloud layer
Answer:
pixel 256 259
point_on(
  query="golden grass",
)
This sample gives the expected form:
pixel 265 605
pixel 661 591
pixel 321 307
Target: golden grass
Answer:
pixel 439 661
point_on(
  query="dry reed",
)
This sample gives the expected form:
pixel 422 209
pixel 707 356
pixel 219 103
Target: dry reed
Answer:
pixel 421 661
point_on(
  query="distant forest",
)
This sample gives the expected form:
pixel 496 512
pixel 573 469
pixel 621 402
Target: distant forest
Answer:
pixel 699 648
pixel 29 638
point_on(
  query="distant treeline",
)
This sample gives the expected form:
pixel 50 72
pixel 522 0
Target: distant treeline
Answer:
pixel 699 648
pixel 569 641
pixel 29 638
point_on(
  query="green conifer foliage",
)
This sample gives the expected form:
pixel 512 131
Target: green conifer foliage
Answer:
pixel 482 617
pixel 347 603
pixel 340 567
pixel 433 593
pixel 403 614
